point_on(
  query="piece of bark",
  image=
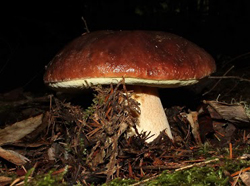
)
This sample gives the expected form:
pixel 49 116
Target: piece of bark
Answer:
pixel 233 113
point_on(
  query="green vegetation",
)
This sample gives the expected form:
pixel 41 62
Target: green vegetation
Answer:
pixel 120 182
pixel 196 176
pixel 211 174
pixel 45 179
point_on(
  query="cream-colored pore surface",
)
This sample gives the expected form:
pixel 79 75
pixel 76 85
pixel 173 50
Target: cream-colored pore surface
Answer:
pixel 86 83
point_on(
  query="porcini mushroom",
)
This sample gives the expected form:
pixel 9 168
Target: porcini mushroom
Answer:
pixel 146 59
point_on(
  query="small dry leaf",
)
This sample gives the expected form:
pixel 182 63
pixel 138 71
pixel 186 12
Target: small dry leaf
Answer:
pixel 13 157
pixel 4 180
pixel 51 153
pixel 192 118
pixel 19 129
pixel 158 161
pixel 245 177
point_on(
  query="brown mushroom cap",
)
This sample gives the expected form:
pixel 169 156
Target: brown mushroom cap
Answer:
pixel 147 58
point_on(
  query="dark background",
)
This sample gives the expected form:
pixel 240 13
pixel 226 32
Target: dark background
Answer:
pixel 32 32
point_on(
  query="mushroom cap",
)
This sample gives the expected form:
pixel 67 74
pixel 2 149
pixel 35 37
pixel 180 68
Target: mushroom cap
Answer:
pixel 148 58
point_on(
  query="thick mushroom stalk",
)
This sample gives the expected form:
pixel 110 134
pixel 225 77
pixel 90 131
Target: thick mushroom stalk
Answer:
pixel 152 118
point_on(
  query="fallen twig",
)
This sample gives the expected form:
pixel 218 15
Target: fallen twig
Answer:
pixel 241 171
pixel 23 102
pixel 218 81
pixel 197 164
pixel 237 178
pixel 230 151
pixel 86 25
pixel 237 57
pixel 229 77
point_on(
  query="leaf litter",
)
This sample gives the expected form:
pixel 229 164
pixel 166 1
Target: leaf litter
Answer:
pixel 97 145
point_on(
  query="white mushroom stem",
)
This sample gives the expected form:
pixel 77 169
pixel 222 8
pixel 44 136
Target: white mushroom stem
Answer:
pixel 152 118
